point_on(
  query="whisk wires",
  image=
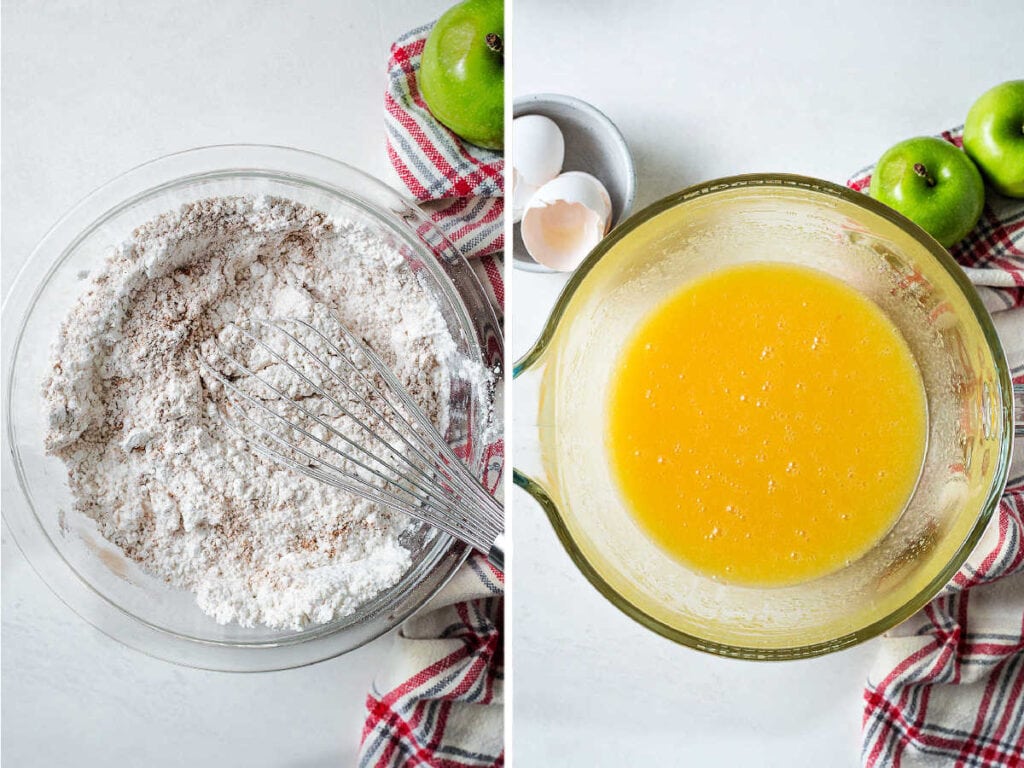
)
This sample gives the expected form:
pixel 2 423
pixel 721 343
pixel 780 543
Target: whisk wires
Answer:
pixel 344 419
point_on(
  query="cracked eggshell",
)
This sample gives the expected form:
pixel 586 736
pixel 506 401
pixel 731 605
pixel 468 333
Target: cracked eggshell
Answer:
pixel 538 151
pixel 565 219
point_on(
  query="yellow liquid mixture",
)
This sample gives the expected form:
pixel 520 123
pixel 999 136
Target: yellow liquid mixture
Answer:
pixel 767 424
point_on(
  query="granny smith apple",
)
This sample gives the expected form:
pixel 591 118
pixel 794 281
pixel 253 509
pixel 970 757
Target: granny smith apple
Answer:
pixel 994 137
pixel 933 184
pixel 462 71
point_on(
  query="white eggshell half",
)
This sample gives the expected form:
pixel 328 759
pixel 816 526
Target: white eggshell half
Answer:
pixel 538 149
pixel 565 219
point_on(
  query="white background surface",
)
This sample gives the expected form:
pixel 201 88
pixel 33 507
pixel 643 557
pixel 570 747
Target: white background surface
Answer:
pixel 91 89
pixel 700 90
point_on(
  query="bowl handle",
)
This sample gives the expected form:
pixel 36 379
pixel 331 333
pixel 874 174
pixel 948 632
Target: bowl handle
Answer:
pixel 531 470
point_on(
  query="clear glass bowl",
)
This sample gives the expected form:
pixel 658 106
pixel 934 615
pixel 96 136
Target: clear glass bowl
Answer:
pixel 564 380
pixel 88 573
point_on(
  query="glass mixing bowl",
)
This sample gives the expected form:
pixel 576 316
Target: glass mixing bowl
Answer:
pixel 564 382
pixel 92 576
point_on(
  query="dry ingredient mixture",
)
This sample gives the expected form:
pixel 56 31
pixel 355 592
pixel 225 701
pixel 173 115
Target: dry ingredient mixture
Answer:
pixel 150 460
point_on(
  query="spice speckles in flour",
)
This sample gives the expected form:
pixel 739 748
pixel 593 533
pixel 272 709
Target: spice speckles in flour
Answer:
pixel 147 457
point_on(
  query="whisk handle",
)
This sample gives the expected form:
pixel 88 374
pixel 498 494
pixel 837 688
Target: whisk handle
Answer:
pixel 496 554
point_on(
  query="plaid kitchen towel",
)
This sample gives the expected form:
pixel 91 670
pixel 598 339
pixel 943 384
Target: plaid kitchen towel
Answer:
pixel 439 703
pixel 948 685
pixel 440 699
pixel 459 185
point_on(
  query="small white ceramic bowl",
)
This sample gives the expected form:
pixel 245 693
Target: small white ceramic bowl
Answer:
pixel 592 144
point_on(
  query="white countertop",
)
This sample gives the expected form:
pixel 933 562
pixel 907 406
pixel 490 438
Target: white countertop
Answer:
pixel 700 90
pixel 91 90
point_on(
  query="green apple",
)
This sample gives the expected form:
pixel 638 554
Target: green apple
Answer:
pixel 994 137
pixel 933 184
pixel 462 71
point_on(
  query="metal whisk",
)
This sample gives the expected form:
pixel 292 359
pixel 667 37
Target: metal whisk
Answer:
pixel 326 405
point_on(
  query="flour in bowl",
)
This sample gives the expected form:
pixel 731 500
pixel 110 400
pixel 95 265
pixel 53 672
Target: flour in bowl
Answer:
pixel 147 455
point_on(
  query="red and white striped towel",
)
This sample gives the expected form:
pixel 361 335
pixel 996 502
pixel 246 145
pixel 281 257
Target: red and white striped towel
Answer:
pixel 439 702
pixel 461 186
pixel 948 685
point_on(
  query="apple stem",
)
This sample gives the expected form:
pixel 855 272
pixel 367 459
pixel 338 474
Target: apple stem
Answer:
pixel 921 171
pixel 494 42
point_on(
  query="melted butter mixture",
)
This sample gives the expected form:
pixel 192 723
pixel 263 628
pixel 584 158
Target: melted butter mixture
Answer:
pixel 767 424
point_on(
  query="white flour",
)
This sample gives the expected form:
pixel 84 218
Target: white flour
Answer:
pixel 147 456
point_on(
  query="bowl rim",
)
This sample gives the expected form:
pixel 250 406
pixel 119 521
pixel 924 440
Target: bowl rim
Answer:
pixel 535 354
pixel 520 103
pixel 397 214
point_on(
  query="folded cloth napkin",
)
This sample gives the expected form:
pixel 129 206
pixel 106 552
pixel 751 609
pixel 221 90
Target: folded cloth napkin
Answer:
pixel 947 687
pixel 439 701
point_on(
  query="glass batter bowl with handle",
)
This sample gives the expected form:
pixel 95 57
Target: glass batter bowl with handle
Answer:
pixel 563 390
pixel 94 577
